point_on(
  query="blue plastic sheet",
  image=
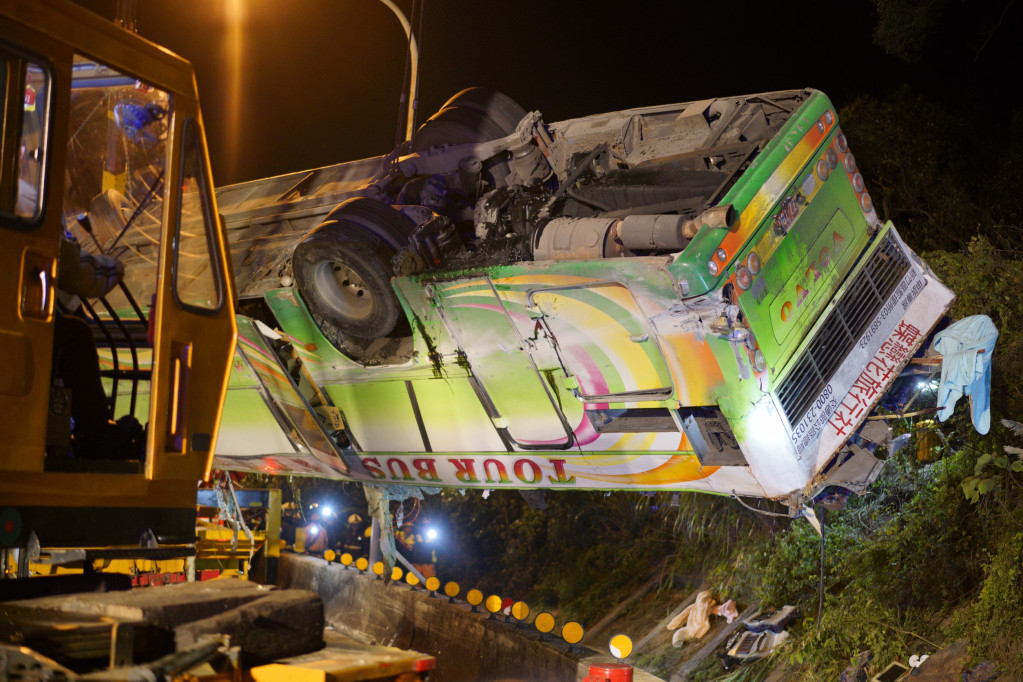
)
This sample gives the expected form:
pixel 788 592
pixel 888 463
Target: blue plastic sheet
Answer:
pixel 966 347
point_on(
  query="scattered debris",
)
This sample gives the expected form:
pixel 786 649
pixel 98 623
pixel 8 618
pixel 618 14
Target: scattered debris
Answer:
pixel 751 646
pixel 694 621
pixel 773 622
pixel 726 611
pixel 761 636
pixel 893 673
pixel 985 672
pixel 915 661
pixel 967 346
pixel 857 672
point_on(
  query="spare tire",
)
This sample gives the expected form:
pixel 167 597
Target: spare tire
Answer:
pixel 472 116
pixel 344 277
pixel 499 107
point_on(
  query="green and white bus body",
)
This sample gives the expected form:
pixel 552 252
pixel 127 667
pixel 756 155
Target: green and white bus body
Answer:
pixel 740 363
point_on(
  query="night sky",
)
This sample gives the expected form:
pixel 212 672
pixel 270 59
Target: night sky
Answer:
pixel 320 79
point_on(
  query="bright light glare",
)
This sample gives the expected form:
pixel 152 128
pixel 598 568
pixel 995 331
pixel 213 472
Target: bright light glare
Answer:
pixel 327 510
pixel 431 534
pixel 778 469
pixel 313 530
pixel 234 45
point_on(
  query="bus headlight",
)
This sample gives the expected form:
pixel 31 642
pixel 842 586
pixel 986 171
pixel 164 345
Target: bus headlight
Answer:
pixel 753 262
pixel 759 361
pixel 822 170
pixel 850 163
pixel 857 182
pixel 743 278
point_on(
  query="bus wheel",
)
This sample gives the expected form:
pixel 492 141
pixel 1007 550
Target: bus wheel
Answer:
pixel 472 116
pixel 391 226
pixel 344 277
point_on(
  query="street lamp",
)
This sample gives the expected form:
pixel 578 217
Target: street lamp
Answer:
pixel 413 47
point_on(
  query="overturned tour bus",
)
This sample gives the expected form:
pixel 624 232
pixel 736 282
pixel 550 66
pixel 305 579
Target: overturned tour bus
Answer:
pixel 695 296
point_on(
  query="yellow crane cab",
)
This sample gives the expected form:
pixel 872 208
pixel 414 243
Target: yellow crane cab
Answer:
pixel 117 325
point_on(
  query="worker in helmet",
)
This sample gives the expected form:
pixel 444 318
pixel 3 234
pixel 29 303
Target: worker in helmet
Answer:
pixel 317 540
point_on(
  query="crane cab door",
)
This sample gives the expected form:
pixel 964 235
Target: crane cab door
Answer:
pixel 139 190
pixel 193 315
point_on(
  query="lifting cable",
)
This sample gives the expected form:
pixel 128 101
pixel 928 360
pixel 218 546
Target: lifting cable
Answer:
pixel 820 601
pixel 735 496
pixel 405 103
pixel 421 4
pixel 230 511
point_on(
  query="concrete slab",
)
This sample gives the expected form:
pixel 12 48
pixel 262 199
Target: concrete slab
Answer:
pixel 166 606
pixel 946 665
pixel 596 632
pixel 278 625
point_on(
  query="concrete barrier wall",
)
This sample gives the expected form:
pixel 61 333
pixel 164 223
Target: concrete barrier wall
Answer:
pixel 469 647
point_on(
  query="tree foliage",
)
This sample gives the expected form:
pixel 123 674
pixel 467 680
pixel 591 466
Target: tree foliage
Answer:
pixel 913 30
pixel 942 175
pixel 906 27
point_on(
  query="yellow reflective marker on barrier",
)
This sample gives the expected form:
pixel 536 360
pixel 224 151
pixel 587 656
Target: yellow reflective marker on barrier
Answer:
pixel 493 604
pixel 432 584
pixel 572 632
pixel 362 564
pixel 475 598
pixel 544 623
pixel 346 559
pixel 329 555
pixel 620 646
pixel 520 611
pixel 412 579
pixel 378 568
pixel 396 574
pixel 451 589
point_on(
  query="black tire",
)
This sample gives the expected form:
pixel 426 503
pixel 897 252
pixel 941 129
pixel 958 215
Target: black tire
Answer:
pixel 389 224
pixel 345 280
pixel 472 116
pixel 499 107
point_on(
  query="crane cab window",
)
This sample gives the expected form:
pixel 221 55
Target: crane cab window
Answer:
pixel 116 171
pixel 198 282
pixel 113 208
pixel 26 87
